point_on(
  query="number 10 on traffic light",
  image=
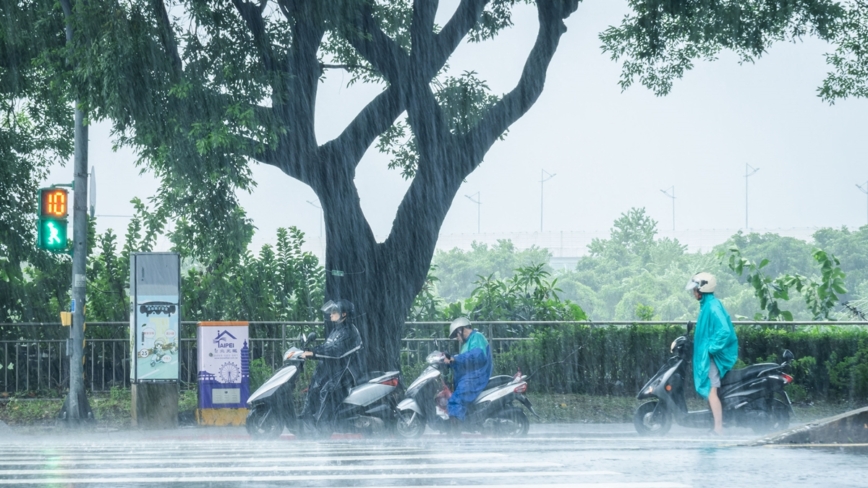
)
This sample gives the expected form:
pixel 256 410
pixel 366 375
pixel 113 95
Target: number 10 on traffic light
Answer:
pixel 53 210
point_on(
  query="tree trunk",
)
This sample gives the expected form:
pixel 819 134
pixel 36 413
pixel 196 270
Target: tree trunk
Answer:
pixel 382 279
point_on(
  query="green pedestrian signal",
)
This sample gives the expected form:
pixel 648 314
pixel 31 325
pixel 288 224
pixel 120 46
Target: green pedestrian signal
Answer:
pixel 53 210
pixel 51 235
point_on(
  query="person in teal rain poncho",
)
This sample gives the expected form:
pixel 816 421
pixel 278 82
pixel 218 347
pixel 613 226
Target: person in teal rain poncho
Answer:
pixel 715 345
pixel 471 368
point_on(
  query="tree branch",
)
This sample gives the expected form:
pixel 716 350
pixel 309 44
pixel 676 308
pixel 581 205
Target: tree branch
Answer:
pixel 294 165
pixel 167 37
pixel 425 116
pixel 518 101
pixel 252 16
pixel 446 42
pixel 428 199
pixel 372 121
pixel 296 104
pixel 376 47
pixel 422 29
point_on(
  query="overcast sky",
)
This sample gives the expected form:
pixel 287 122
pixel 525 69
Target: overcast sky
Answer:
pixel 610 150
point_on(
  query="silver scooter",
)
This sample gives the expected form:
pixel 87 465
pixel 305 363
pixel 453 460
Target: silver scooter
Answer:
pixel 369 408
pixel 493 411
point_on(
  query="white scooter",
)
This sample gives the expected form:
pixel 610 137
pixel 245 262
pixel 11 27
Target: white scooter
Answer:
pixel 493 411
pixel 369 408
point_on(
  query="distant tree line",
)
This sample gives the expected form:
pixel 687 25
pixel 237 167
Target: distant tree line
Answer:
pixel 635 275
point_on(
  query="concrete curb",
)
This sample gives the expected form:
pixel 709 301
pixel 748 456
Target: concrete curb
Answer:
pixel 847 428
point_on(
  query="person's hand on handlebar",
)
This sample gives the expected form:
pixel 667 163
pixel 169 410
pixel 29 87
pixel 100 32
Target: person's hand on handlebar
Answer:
pixel 448 359
pixel 307 354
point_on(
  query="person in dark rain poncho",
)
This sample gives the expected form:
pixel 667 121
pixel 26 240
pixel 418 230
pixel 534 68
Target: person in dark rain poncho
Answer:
pixel 471 367
pixel 715 345
pixel 338 367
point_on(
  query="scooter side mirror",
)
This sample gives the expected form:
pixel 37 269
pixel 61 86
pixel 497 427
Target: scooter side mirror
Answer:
pixel 788 355
pixel 689 326
pixel 310 338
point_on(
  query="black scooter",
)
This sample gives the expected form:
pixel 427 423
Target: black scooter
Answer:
pixel 751 397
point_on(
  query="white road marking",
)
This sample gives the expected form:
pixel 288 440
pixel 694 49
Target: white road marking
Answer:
pixel 252 479
pixel 63 459
pixel 277 468
pixel 606 484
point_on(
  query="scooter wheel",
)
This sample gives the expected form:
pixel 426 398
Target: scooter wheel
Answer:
pixel 263 423
pixel 652 419
pixel 776 418
pixel 410 426
pixel 512 423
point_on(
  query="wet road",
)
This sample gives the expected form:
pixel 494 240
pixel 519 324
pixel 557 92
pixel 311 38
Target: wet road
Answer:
pixel 574 456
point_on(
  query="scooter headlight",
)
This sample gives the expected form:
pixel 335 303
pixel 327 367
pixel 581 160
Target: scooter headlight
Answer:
pixel 652 386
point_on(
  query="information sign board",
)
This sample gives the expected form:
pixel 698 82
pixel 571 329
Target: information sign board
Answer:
pixel 224 365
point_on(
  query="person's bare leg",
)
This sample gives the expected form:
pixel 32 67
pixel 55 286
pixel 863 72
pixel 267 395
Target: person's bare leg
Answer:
pixel 716 410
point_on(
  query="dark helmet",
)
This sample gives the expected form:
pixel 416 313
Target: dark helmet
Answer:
pixel 341 306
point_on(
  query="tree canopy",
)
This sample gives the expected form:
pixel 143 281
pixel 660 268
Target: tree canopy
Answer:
pixel 202 89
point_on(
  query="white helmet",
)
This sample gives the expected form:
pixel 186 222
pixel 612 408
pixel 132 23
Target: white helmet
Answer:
pixel 457 324
pixel 704 282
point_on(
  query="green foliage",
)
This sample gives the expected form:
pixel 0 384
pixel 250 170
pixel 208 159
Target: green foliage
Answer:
pixel 527 296
pixel 591 359
pixel 821 297
pixel 458 270
pixel 463 100
pixel 850 373
pixel 830 362
pixel 767 289
pixel 851 247
pixel 260 371
pixel 849 76
pixel 281 283
pixel 661 39
pixel 644 312
pixel 631 267
pixel 427 306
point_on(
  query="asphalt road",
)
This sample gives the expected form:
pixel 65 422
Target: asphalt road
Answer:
pixel 556 456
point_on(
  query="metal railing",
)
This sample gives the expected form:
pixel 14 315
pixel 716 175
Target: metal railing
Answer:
pixel 40 365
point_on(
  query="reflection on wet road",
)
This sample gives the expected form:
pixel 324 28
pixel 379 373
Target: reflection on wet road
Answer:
pixel 550 457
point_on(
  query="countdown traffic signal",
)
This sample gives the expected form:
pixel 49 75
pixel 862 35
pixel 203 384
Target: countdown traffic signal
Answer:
pixel 53 210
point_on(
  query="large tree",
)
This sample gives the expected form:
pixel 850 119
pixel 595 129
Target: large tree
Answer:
pixel 202 88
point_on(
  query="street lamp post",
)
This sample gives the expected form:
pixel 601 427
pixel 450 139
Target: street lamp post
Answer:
pixel 748 172
pixel 542 180
pixel 672 196
pixel 863 189
pixel 478 202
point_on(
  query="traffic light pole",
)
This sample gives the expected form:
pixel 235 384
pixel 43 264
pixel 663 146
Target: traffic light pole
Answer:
pixel 77 408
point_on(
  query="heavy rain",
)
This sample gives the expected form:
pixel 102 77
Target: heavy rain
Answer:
pixel 433 243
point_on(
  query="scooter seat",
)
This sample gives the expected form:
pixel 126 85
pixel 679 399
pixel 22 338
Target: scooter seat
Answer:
pixel 496 381
pixel 739 375
pixel 369 376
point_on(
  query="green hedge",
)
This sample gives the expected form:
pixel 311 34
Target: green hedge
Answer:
pixel 831 362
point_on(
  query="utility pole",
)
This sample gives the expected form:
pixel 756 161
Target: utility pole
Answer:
pixel 542 180
pixel 748 172
pixel 478 203
pixel 672 196
pixel 76 408
pixel 863 189
pixel 320 216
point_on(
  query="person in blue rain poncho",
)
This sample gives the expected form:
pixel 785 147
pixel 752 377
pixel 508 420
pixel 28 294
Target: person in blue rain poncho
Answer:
pixel 471 368
pixel 715 345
